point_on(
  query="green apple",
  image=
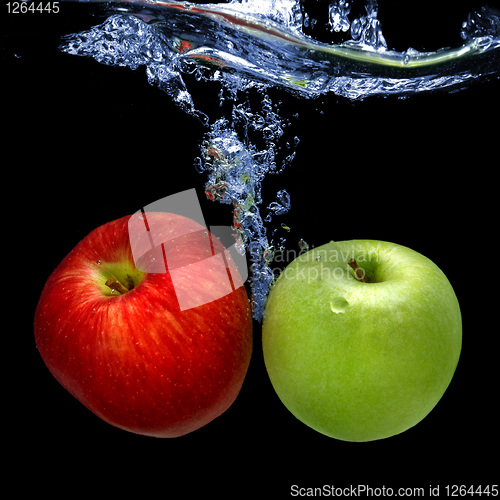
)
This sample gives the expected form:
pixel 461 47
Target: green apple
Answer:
pixel 355 360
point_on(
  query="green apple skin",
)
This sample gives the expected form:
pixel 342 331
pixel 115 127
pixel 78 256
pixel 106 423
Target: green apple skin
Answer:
pixel 361 361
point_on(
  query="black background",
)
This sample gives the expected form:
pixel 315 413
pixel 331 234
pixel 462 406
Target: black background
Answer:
pixel 86 144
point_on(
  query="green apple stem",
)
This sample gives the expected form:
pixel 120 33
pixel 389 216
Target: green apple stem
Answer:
pixel 114 284
pixel 359 273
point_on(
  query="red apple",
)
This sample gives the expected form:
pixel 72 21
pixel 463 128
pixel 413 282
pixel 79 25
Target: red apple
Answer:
pixel 113 333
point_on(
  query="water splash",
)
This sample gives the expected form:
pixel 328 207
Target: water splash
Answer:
pixel 124 40
pixel 367 30
pixel 236 169
pixel 252 45
pixel 261 41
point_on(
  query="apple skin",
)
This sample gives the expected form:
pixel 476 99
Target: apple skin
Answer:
pixel 135 359
pixel 361 361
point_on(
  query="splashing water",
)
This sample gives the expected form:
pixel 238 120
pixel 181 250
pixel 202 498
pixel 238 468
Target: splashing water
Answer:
pixel 258 44
pixel 261 41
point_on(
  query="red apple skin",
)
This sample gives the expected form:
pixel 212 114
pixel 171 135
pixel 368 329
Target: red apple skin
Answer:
pixel 136 360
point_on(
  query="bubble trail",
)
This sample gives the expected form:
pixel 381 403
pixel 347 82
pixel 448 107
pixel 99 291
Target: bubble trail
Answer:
pixel 235 173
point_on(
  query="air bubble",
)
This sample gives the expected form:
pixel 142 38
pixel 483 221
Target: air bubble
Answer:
pixel 338 12
pixel 282 205
pixel 303 246
pixel 198 165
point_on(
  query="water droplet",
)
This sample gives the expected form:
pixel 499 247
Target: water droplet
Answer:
pixel 198 165
pixel 268 254
pixel 338 304
pixel 303 245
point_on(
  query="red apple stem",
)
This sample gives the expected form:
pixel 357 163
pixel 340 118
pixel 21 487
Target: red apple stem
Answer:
pixel 114 284
pixel 359 273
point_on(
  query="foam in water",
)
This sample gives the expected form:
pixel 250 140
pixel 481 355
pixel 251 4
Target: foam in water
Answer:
pixel 279 54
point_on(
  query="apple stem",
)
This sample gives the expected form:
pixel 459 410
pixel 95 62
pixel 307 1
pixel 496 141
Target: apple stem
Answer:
pixel 359 273
pixel 114 284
